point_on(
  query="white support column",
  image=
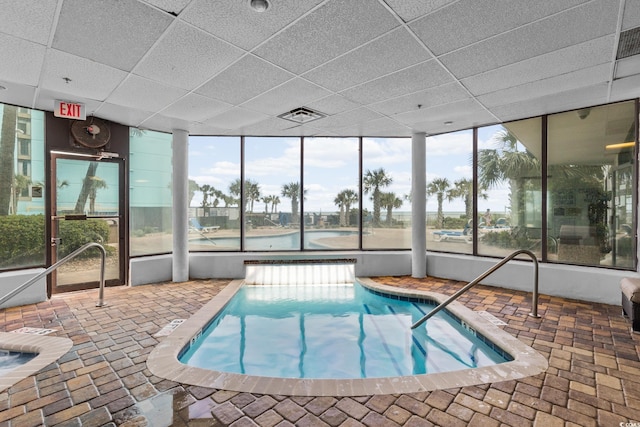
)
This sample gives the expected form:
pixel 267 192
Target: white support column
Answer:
pixel 418 206
pixel 180 206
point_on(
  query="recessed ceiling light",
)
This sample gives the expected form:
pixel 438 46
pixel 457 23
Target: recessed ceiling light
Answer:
pixel 259 5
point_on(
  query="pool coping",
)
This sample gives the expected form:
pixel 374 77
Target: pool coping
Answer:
pixel 163 360
pixel 48 349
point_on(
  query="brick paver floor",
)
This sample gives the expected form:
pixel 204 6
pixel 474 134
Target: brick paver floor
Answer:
pixel 593 377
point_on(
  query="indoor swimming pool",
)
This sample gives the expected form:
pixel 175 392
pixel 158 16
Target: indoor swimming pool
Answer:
pixel 335 331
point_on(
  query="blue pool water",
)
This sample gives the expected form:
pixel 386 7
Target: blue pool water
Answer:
pixel 276 242
pixel 334 331
pixel 10 360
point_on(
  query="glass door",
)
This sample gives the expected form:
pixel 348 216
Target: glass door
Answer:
pixel 87 205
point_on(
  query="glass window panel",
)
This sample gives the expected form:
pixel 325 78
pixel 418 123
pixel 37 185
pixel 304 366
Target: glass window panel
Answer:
pixel 22 196
pixel 272 173
pixel 331 202
pixel 386 215
pixel 450 192
pixel 150 195
pixel 510 188
pixel 590 185
pixel 214 188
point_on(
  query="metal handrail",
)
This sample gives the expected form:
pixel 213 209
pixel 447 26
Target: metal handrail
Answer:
pixel 72 255
pixel 534 297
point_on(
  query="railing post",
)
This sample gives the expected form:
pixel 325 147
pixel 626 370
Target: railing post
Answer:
pixel 69 257
pixel 534 297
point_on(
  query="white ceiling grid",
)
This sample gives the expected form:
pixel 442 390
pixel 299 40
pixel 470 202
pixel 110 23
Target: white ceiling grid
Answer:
pixel 374 67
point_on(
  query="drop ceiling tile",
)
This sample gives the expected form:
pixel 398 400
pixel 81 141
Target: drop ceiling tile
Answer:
pixel 331 30
pixel 382 127
pixel 21 60
pixel 625 88
pixel 577 25
pixel 124 115
pixel 144 94
pixel 89 79
pixel 167 124
pixel 557 102
pixel 236 118
pixel 469 21
pixel 562 61
pixel 558 83
pixel 411 9
pixel 627 67
pixel 332 104
pixel 463 114
pixel 444 94
pixel 631 16
pixel 17 94
pixel 345 119
pixel 28 19
pixel 246 79
pixel 292 94
pixel 186 57
pixel 390 53
pixel 195 107
pixel 173 7
pixel 237 23
pixel 113 32
pixel 413 79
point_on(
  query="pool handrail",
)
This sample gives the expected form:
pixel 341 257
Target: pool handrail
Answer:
pixel 103 254
pixel 534 296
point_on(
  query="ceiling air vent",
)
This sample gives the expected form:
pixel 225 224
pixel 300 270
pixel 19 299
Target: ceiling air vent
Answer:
pixel 629 43
pixel 302 115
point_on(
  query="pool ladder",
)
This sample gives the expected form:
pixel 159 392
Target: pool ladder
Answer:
pixel 103 254
pixel 534 296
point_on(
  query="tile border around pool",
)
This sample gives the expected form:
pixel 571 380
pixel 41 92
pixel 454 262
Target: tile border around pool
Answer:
pixel 163 360
pixel 49 349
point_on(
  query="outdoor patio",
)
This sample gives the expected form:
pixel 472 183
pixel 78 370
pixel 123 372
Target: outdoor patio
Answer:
pixel 593 377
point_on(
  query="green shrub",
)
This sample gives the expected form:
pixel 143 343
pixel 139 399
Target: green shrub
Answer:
pixel 21 240
pixel 450 222
pixel 77 233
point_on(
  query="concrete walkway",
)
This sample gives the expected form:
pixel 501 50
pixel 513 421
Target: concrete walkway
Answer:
pixel 593 378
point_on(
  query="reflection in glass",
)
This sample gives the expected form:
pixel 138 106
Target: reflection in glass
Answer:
pixel 214 193
pixel 510 188
pixel 590 187
pixel 331 198
pixel 450 192
pixel 150 192
pixel 22 188
pixel 272 193
pixel 386 180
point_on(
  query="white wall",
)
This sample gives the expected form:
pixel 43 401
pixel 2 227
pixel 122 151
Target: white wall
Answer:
pixel 11 280
pixel 582 283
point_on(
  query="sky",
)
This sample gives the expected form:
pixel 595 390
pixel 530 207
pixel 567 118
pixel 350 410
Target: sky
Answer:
pixel 331 165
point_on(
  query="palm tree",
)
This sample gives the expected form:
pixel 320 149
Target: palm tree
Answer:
pixel 251 193
pixel 439 187
pixel 463 189
pixel 7 149
pixel 292 191
pixel 275 201
pixel 507 163
pixel 267 200
pixel 20 183
pixel 96 184
pixel 340 202
pixel 390 201
pixel 86 187
pixel 206 188
pixel 193 187
pixel 373 180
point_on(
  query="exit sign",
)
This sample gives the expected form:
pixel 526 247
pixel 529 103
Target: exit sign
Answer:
pixel 70 110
